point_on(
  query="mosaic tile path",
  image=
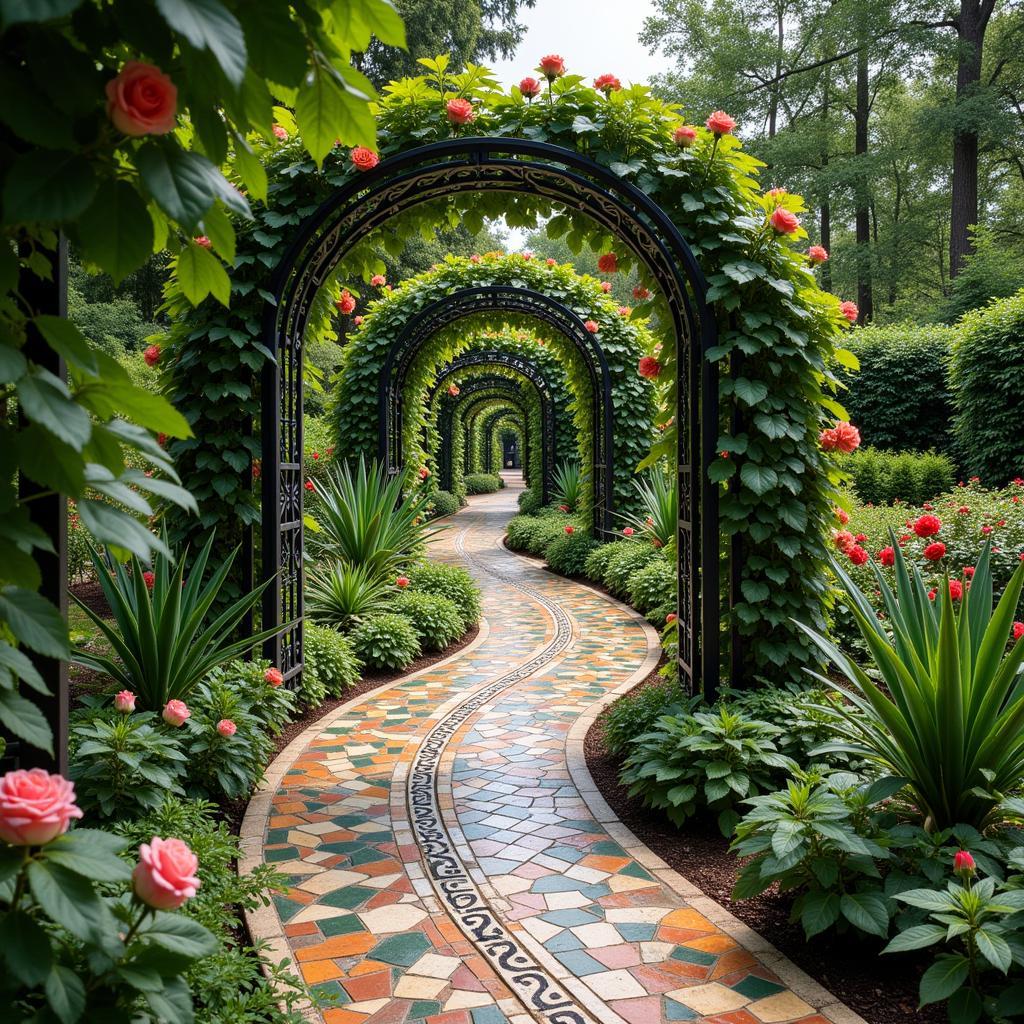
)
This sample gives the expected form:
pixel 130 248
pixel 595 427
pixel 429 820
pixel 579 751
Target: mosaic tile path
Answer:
pixel 450 861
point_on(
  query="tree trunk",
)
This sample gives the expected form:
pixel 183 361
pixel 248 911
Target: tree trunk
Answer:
pixel 971 26
pixel 862 210
pixel 773 105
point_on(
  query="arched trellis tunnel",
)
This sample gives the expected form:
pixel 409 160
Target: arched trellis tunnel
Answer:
pixel 518 167
pixel 498 423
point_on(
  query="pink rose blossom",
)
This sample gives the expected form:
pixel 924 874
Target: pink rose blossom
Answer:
pixel 35 807
pixel 142 100
pixel 176 713
pixel 124 701
pixel 165 876
pixel 226 728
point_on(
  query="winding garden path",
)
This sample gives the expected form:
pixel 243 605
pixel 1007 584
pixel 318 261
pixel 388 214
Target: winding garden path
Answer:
pixel 450 860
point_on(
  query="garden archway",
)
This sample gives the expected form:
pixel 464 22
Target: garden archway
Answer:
pixel 517 167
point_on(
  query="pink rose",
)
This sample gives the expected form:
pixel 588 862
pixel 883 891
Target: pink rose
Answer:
pixel 364 159
pixel 166 873
pixel 453 390
pixel 607 84
pixel 684 136
pixel 35 807
pixel 152 355
pixel 649 367
pixel 203 241
pixel 529 87
pixel 226 728
pixel 551 67
pixel 817 254
pixel 273 677
pixel 142 100
pixel 460 111
pixel 280 133
pixel 628 531
pixel 124 701
pixel 551 262
pixel 849 310
pixel 606 286
pixel 592 325
pixel 378 280
pixel 625 310
pixel 720 123
pixel 783 222
pixel 176 713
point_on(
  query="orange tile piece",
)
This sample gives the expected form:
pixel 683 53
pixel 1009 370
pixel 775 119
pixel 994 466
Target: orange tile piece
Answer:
pixel 321 970
pixel 339 945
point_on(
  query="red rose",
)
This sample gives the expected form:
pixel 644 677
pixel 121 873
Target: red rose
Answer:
pixel 857 555
pixel 142 100
pixel 203 241
pixel 935 551
pixel 424 472
pixel 402 582
pixel 817 254
pixel 956 590
pixel 273 677
pixel 592 326
pixel 670 618
pixel 720 123
pixel 378 280
pixel 607 84
pixel 309 485
pixel 152 355
pixel 551 67
pixel 345 303
pixel 927 526
pixel 149 579
pixel 783 222
pixel 460 111
pixel 842 515
pixel 551 262
pixel 963 863
pixel 453 390
pixel 529 87
pixel 640 293
pixel 364 159
pixel 570 530
pixel 165 876
pixel 887 556
pixel 849 310
pixel 963 510
pixel 628 531
pixel 608 263
pixel 649 367
pixel 684 136
pixel 986 530
pixel 280 133
pixel 969 571
pixel 35 807
pixel 1018 630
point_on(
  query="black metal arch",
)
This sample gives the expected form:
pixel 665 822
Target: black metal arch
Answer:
pixel 552 174
pixel 466 302
pixel 470 417
pixel 507 386
pixel 490 425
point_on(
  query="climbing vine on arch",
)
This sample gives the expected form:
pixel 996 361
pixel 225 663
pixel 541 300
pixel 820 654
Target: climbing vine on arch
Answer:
pixel 779 334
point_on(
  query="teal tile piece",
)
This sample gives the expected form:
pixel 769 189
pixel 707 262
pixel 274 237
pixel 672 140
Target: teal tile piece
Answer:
pixel 633 931
pixel 330 993
pixel 606 848
pixel 693 956
pixel 634 870
pixel 562 943
pixel 424 1008
pixel 342 925
pixel 286 908
pixel 348 898
pixel 676 1011
pixel 401 949
pixel 569 918
pixel 580 963
pixel 368 856
pixel 287 853
pixel 488 1015
pixel 757 988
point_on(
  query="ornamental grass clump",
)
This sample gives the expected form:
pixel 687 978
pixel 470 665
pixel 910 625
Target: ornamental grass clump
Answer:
pixel 948 712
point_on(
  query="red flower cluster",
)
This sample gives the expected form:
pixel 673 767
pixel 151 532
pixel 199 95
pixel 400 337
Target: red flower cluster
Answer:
pixel 608 263
pixel 460 111
pixel 607 84
pixel 640 293
pixel 529 87
pixel 345 303
pixel 649 367
pixel 152 355
pixel 887 556
pixel 364 159
pixel 843 437
pixel 935 551
pixel 927 526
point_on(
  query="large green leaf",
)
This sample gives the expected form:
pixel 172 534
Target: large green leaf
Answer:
pixel 46 400
pixel 200 273
pixel 25 720
pixel 66 994
pixel 185 184
pixel 48 185
pixel 25 948
pixel 34 621
pixel 68 341
pixel 209 25
pixel 116 232
pixel 332 105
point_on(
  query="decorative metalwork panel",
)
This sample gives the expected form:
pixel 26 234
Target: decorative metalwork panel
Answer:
pixel 564 178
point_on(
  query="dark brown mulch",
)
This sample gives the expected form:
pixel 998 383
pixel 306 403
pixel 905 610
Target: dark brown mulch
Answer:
pixel 234 810
pixel 882 989
pixel 90 593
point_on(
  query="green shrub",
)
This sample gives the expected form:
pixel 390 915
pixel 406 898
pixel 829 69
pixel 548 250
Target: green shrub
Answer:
pixel 529 502
pixel 519 531
pixel 637 712
pixel 658 616
pixel 880 478
pixel 451 581
pixel 597 562
pixel 317 447
pixel 442 503
pixel 386 640
pixel 331 657
pixel 482 483
pixel 900 397
pixel 568 554
pixel 708 760
pixel 653 585
pixel 274 706
pixel 986 370
pixel 343 595
pixel 550 530
pixel 311 691
pixel 626 561
pixel 435 618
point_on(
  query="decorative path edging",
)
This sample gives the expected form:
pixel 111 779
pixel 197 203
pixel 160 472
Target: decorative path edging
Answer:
pixel 450 860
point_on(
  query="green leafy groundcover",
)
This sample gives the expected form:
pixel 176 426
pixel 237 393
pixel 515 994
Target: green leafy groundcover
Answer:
pixel 779 333
pixel 622 339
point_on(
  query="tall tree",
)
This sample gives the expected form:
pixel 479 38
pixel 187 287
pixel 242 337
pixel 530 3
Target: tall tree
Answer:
pixel 467 30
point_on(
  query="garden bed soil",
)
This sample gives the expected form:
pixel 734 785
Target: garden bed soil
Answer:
pixel 882 989
pixel 90 593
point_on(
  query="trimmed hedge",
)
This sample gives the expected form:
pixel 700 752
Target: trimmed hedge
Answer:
pixel 436 619
pixel 482 483
pixel 330 657
pixel 386 640
pixel 449 581
pixel 442 503
pixel 568 554
pixel 900 397
pixel 880 478
pixel 987 376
